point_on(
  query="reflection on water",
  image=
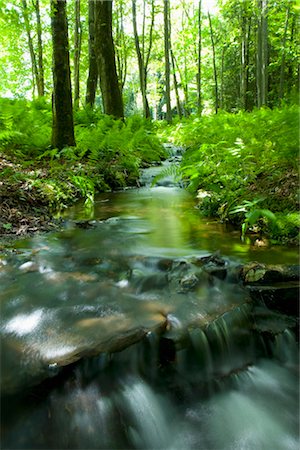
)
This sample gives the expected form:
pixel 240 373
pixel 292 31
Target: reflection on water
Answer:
pixel 166 221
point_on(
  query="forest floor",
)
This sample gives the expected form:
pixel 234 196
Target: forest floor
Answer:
pixel 23 211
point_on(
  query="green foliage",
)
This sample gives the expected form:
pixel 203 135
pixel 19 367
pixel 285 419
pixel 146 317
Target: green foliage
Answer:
pixel 108 155
pixel 286 228
pixel 25 126
pixel 241 160
pixel 252 214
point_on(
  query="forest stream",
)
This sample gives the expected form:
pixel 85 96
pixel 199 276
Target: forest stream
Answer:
pixel 141 325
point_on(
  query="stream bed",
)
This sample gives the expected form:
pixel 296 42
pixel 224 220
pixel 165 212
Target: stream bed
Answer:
pixel 133 329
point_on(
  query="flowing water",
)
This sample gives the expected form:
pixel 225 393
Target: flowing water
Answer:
pixel 127 331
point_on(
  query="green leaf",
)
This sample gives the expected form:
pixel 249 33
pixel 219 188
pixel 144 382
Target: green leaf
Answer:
pixel 7 226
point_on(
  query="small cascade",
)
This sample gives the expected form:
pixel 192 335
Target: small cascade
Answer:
pixel 285 348
pixel 147 414
pixel 164 175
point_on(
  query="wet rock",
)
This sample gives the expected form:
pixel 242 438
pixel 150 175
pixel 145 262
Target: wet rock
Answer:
pixel 166 352
pixel 54 343
pixel 189 282
pixel 255 273
pixel 282 297
pixel 152 282
pixel 165 264
pixel 272 322
pixel 218 272
pixel 210 260
pixel 275 286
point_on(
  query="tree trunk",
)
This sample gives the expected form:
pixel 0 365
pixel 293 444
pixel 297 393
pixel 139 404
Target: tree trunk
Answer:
pixel 91 85
pixel 282 66
pixel 167 60
pixel 214 64
pixel 105 52
pixel 175 84
pixel 293 70
pixel 40 80
pixel 262 54
pixel 174 71
pixel 183 71
pixel 198 77
pixel 77 50
pixel 63 127
pixel 121 47
pixel 142 69
pixel 221 96
pixel 245 33
pixel 34 67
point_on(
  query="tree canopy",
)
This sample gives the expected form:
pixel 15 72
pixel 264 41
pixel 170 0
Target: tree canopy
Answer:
pixel 248 50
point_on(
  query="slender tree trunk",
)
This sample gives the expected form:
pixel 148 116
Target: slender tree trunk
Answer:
pixel 91 86
pixel 221 96
pixel 244 52
pixel 174 69
pixel 282 66
pixel 34 67
pixel 148 53
pixel 142 69
pixel 262 54
pixel 40 81
pixel 175 84
pixel 63 127
pixel 293 71
pixel 77 50
pixel 167 60
pixel 183 72
pixel 198 77
pixel 214 64
pixel 121 48
pixel 109 84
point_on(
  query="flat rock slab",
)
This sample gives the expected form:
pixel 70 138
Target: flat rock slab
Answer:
pixel 31 355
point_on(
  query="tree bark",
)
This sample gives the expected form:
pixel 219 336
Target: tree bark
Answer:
pixel 167 61
pixel 91 85
pixel 105 52
pixel 183 73
pixel 121 47
pixel 175 84
pixel 214 64
pixel 63 127
pixel 198 77
pixel 174 71
pixel 282 65
pixel 262 54
pixel 34 67
pixel 40 80
pixel 140 57
pixel 77 51
pixel 245 39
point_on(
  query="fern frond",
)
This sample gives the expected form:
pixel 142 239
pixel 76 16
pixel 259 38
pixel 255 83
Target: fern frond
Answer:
pixel 168 172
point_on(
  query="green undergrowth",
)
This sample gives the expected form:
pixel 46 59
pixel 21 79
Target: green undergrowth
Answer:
pixel 108 155
pixel 243 168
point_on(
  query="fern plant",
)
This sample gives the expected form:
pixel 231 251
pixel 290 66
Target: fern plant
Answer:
pixel 252 214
